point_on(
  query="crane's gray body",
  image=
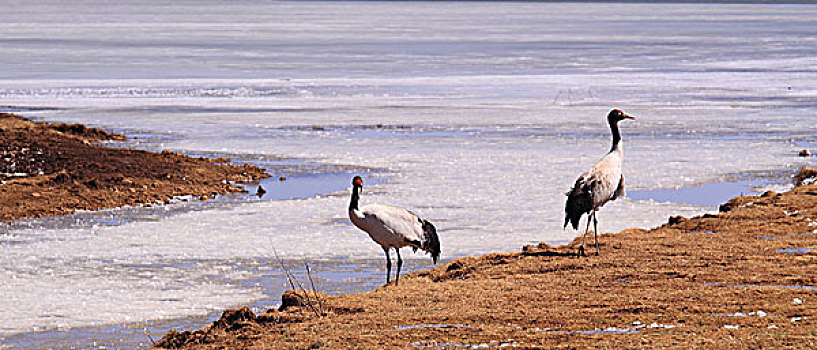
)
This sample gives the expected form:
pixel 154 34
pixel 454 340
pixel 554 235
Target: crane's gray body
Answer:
pixel 598 185
pixel 595 187
pixel 390 227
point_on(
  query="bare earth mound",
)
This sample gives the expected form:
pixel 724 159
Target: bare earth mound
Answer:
pixel 744 278
pixel 52 169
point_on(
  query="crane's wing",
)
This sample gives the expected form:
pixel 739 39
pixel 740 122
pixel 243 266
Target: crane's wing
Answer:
pixel 620 192
pixel 401 224
pixel 579 200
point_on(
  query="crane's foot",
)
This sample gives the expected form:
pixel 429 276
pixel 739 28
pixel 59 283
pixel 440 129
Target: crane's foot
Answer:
pixel 580 252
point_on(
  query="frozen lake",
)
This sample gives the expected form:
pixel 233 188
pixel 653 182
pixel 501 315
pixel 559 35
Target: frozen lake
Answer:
pixel 478 116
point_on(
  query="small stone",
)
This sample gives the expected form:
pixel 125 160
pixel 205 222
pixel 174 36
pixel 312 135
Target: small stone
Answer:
pixel 674 220
pixel 291 298
pixel 36 194
pixel 234 318
pixel 62 177
pixel 728 206
pixel 805 153
pixel 797 301
pixel 769 194
pixel 805 176
pixel 282 178
pixel 761 313
pixel 204 197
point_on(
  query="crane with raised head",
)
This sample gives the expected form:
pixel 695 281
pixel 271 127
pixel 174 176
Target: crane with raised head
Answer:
pixel 598 185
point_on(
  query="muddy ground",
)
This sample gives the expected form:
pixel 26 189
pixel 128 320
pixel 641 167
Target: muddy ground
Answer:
pixel 52 169
pixel 744 278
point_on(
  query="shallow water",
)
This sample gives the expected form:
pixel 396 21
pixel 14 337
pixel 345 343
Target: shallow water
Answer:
pixel 597 331
pixel 794 250
pixel 304 186
pixel 705 195
pixel 431 325
pixel 478 116
pixel 754 285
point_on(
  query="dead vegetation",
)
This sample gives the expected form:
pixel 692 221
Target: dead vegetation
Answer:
pixel 246 326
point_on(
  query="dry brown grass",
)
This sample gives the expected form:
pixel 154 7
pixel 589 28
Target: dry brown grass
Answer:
pixel 691 276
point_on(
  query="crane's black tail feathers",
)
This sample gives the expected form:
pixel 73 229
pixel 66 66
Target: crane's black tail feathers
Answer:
pixel 431 243
pixel 578 203
pixel 574 221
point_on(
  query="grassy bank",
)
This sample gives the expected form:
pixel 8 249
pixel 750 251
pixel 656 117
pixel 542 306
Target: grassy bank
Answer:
pixel 744 278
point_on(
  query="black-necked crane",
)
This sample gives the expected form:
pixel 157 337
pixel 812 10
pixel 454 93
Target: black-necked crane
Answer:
pixel 600 184
pixel 392 227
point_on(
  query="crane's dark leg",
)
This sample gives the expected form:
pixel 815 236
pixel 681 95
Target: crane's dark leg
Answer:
pixel 399 264
pixel 388 265
pixel 584 238
pixel 596 231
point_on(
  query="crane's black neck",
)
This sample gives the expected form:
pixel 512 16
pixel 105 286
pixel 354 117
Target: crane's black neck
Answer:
pixel 616 135
pixel 355 198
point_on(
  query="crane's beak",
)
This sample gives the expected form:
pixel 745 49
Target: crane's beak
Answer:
pixel 627 116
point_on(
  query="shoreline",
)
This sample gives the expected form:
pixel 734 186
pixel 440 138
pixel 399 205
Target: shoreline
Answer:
pixel 57 169
pixel 88 137
pixel 743 277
